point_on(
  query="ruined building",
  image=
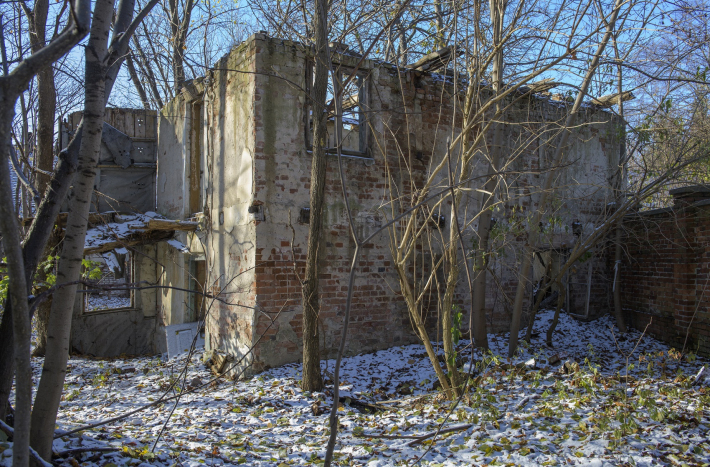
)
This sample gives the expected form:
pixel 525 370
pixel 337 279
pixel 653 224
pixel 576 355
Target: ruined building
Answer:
pixel 233 156
pixel 235 147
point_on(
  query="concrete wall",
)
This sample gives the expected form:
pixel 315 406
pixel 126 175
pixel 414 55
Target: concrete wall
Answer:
pixel 173 150
pixel 229 146
pixel 257 172
pixel 410 115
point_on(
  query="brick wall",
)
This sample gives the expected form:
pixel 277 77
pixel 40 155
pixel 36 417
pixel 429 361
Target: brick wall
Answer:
pixel 411 117
pixel 257 174
pixel 665 277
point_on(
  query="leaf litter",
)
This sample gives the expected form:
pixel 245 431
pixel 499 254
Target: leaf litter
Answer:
pixel 583 402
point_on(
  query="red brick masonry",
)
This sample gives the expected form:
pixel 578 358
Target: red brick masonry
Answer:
pixel 665 274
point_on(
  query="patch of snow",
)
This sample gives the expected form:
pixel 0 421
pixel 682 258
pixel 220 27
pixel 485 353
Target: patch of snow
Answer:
pixel 103 302
pixel 615 408
pixel 179 246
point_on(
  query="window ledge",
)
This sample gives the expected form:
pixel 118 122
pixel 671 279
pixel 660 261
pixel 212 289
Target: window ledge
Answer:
pixel 368 160
pixel 109 310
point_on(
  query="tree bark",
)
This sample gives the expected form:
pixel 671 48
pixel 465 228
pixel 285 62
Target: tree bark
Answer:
pixel 480 337
pixel 11 87
pixel 137 82
pixel 312 379
pixel 17 292
pixel 46 108
pixel 179 28
pixel 51 383
pixel 46 97
pixel 616 287
pixel 43 309
pixel 555 319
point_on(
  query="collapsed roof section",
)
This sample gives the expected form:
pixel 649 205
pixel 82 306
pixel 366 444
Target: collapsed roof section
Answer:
pixel 127 230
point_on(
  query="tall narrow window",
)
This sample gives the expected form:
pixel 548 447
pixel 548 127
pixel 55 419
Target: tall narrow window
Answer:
pixel 347 113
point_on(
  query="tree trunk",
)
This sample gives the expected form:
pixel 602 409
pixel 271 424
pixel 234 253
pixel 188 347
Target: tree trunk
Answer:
pixel 137 81
pixel 448 305
pixel 11 87
pixel 44 308
pixel 46 108
pixel 178 30
pixel 7 358
pixel 17 290
pixel 32 250
pixel 43 223
pixel 555 319
pixel 51 383
pixel 46 97
pixel 616 287
pixel 497 12
pixel 440 40
pixel 312 379
pixel 558 158
pixel 420 327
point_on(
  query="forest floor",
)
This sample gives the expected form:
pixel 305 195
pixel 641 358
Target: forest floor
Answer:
pixel 596 398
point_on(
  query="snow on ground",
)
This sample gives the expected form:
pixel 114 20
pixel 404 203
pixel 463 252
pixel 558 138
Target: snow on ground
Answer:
pixel 527 415
pixel 103 302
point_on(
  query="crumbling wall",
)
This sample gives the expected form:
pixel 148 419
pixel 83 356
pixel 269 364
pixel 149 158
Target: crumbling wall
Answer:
pixel 124 182
pixel 229 148
pixel 258 179
pixel 173 150
pixel 176 153
pixel 410 117
pixel 131 331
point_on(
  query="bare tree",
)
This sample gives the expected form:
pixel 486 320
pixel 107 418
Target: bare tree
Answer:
pixel 54 368
pixel 12 84
pixel 312 379
pixel 557 160
pixel 103 59
pixel 44 154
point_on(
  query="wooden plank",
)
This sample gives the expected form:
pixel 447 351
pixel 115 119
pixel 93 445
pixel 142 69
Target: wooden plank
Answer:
pixel 613 99
pixel 167 224
pixel 150 122
pixel 139 125
pixel 195 177
pixel 134 239
pixel 110 118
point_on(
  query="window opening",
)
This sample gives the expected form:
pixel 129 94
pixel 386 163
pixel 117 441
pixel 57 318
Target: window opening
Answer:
pixel 197 269
pixel 114 268
pixel 351 127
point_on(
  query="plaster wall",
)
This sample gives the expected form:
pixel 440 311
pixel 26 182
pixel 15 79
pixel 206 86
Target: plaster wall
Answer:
pixel 228 194
pixel 173 150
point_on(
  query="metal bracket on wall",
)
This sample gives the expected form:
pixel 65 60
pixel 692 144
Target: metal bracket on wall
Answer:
pixel 257 212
